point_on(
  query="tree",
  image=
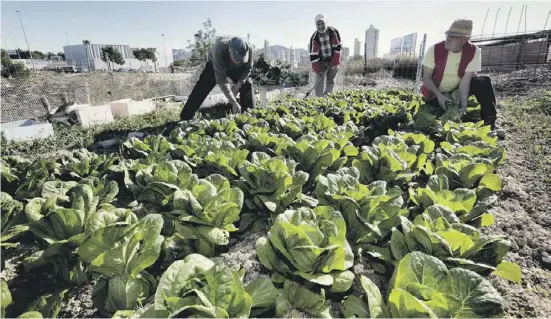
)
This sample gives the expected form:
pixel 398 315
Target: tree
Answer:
pixel 146 54
pixel 110 55
pixel 6 61
pixel 151 55
pixel 202 43
pixel 10 69
pixel 140 55
pixel 62 55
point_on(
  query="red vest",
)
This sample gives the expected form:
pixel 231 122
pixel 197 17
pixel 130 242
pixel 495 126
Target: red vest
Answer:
pixel 336 48
pixel 440 59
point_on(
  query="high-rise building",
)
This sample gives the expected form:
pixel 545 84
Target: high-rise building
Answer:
pixel 371 42
pixel 345 53
pixel 287 55
pixel 357 47
pixel 267 48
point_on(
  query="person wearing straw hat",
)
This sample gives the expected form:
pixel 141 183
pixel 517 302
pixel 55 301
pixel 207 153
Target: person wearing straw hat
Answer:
pixel 229 57
pixel 325 55
pixel 450 70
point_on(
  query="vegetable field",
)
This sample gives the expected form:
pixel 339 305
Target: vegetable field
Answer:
pixel 362 204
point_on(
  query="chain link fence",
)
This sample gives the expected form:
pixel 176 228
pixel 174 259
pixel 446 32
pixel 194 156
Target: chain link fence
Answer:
pixel 29 97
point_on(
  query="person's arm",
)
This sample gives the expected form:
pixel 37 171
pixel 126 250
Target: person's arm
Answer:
pixel 464 90
pixel 428 68
pixel 220 72
pixel 465 85
pixel 249 66
pixel 429 83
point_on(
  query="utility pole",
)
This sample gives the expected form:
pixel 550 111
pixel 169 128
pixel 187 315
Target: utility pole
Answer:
pixel 69 49
pixel 26 40
pixel 164 47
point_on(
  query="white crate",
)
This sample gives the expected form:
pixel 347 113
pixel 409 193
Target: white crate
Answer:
pixel 94 115
pixel 127 107
pixel 26 130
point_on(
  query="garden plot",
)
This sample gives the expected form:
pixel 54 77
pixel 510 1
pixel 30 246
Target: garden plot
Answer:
pixel 357 205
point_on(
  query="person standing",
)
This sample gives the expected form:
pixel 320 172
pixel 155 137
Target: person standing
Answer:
pixel 325 55
pixel 450 67
pixel 229 57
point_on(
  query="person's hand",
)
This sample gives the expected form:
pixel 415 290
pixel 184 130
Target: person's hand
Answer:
pixel 443 100
pixel 236 108
pixel 462 109
pixel 235 88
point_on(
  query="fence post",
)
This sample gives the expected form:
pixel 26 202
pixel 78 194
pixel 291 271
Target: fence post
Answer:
pixel 87 91
pixel 420 63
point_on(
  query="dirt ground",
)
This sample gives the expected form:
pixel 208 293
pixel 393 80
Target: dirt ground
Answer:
pixel 523 215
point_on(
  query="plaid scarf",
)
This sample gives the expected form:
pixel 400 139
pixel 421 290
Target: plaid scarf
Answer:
pixel 325 46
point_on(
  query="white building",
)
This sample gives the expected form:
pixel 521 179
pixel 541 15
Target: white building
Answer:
pixel 41 64
pixel 89 56
pixel 345 53
pixel 357 47
pixel 267 48
pixel 371 42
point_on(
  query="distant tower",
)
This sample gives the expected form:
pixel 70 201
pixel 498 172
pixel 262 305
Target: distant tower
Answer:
pixel 371 42
pixel 266 48
pixel 357 47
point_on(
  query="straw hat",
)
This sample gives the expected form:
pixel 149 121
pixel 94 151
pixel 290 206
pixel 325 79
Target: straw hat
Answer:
pixel 461 28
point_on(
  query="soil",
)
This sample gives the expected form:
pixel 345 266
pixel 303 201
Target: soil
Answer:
pixel 523 216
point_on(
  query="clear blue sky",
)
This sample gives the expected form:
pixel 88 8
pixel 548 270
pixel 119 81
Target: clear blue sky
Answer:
pixel 140 24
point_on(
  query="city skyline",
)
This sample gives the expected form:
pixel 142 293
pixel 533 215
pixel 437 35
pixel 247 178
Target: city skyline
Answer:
pixel 142 23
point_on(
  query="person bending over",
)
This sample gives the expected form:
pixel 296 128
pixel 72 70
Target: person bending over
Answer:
pixel 229 57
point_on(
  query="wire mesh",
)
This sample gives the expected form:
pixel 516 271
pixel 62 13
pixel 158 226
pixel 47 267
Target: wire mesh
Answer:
pixel 23 97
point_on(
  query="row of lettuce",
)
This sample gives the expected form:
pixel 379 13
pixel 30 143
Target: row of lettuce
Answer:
pixel 359 177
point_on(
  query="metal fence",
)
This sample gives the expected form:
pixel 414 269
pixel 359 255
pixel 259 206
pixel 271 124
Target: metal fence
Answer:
pixel 28 97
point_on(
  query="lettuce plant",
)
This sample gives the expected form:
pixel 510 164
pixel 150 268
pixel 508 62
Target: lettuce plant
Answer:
pixel 313 156
pixel 157 181
pixel 119 254
pixel 64 222
pixel 310 244
pixel 391 160
pixel 12 220
pixel 464 171
pixel 271 184
pixel 37 174
pixel 495 153
pixel 206 212
pixel 153 145
pixel 83 163
pixel 440 233
pixel 196 287
pixel 370 210
pixel 462 201
pixel 465 133
pixel 423 287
